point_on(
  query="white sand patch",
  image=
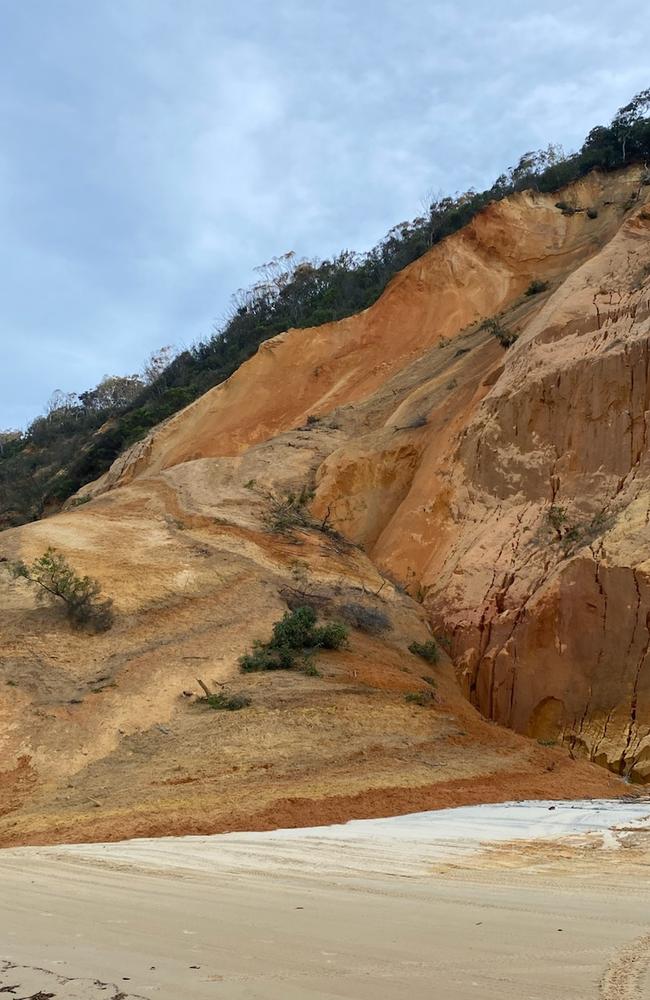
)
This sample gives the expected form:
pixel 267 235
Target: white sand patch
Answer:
pixel 399 845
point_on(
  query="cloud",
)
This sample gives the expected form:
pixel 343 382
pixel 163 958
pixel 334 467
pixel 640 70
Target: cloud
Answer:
pixel 154 154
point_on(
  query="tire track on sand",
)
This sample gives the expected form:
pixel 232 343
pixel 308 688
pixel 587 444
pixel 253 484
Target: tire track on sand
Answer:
pixel 624 977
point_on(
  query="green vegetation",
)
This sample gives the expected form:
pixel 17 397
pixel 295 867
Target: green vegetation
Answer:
pixel 422 698
pixel 221 702
pixel 81 435
pixel 81 595
pixel 296 637
pixel 427 650
pixel 505 337
pixel 285 513
pixel 536 287
pixel 571 534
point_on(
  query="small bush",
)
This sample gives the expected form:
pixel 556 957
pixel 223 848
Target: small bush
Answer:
pixel 565 207
pixel 430 680
pixel 571 535
pixel 330 636
pixel 592 213
pixel 422 698
pixel 312 419
pixel 295 638
pixel 427 650
pixel 310 669
pixel 295 629
pixel 81 595
pixel 267 657
pixel 225 703
pixel 505 337
pixel 556 516
pixel 373 621
pixel 290 511
pixel 536 287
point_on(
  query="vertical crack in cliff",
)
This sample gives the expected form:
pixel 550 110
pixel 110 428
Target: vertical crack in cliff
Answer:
pixel 603 598
pixel 632 740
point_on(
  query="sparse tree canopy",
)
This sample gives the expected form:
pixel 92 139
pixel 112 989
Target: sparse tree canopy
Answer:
pixel 114 392
pixel 157 363
pixel 81 595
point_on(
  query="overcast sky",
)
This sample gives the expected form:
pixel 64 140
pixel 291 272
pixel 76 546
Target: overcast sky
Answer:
pixel 153 152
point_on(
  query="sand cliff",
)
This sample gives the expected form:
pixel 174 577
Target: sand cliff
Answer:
pixel 496 497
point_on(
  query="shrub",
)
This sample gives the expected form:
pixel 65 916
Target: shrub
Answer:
pixel 266 657
pixel 427 650
pixel 592 213
pixel 295 629
pixel 422 698
pixel 565 207
pixel 571 535
pixel 293 641
pixel 556 516
pixel 330 636
pixel 225 703
pixel 284 513
pixel 373 621
pixel 81 595
pixel 505 337
pixel 309 668
pixel 536 287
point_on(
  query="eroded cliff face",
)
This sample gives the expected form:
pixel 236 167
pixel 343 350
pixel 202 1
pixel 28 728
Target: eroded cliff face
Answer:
pixel 545 584
pixel 498 497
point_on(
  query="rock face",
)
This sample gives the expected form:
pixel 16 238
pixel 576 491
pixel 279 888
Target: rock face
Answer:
pixel 498 497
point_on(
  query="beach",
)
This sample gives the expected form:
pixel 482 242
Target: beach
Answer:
pixel 529 901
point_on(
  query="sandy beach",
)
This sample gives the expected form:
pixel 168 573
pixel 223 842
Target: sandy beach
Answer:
pixel 540 901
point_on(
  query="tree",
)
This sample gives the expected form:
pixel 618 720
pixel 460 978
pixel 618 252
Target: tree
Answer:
pixel 629 117
pixel 156 363
pixel 61 401
pixel 81 595
pixel 10 441
pixel 114 392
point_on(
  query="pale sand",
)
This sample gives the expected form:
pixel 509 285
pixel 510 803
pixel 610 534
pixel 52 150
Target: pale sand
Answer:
pixel 445 906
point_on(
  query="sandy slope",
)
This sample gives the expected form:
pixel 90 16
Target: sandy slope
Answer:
pixel 367 910
pixel 436 455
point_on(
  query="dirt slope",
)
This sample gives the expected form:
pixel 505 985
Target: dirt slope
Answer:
pixel 438 456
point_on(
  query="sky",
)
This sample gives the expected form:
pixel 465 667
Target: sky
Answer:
pixel 153 152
